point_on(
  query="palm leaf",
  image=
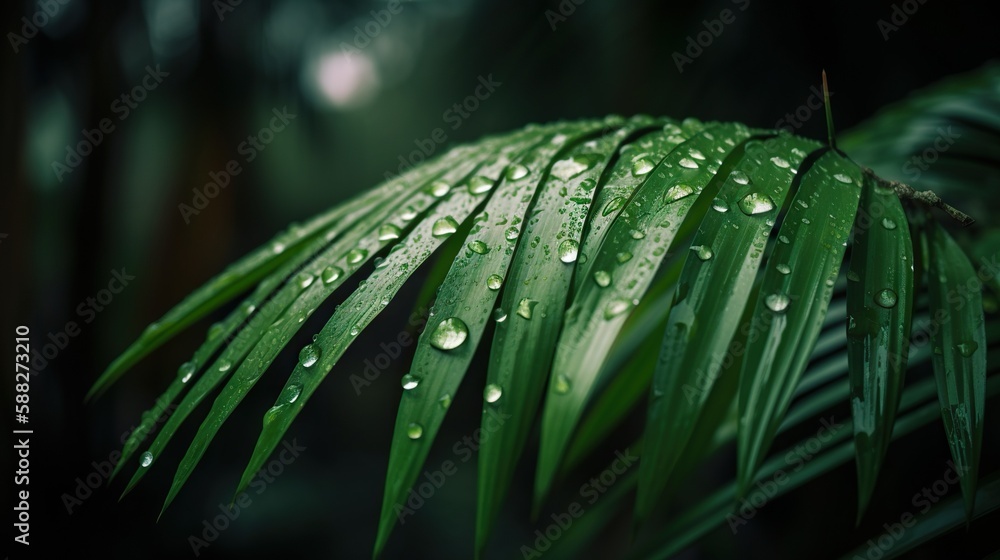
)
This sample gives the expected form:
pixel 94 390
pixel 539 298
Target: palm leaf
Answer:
pixel 610 259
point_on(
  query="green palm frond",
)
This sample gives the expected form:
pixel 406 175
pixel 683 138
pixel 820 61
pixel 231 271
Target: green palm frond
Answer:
pixel 698 266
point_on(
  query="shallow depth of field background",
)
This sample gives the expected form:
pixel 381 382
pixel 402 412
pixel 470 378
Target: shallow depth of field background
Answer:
pixel 368 88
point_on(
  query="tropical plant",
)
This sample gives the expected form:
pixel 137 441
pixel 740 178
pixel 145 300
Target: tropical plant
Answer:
pixel 696 265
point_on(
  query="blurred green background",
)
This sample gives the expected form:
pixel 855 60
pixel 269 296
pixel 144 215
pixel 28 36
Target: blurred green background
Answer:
pixel 183 88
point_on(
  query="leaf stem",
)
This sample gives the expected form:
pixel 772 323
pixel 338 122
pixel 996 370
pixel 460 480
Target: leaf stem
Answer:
pixel 929 198
pixel 829 115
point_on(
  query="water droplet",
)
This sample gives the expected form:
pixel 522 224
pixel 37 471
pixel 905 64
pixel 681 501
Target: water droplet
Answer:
pixel 613 205
pixel 309 355
pixel 304 280
pixel 566 169
pixel 186 370
pixel 354 256
pixel 499 315
pixel 615 308
pixel 756 203
pixel 623 257
pixel 806 221
pixel 588 184
pixel 561 385
pixel 146 459
pixel 444 226
pixel 449 334
pixel 886 298
pixel 511 233
pixel 783 239
pixel 853 276
pixel 602 278
pixel 780 162
pixel 967 349
pixel 696 154
pixel 888 224
pixel 277 247
pixel 494 282
pixel 525 307
pixel 516 171
pixel 739 177
pixel 478 247
pixel 408 213
pixel 641 166
pixel 492 393
pixel 439 188
pixel 445 401
pixel 414 430
pixel 292 393
pixel 225 365
pixel 688 163
pixel 568 250
pixel 330 274
pixel 676 192
pixel 409 382
pixel 388 232
pixel 248 308
pixel 783 268
pixel 720 205
pixel 702 251
pixel 480 184
pixel 355 330
pixel 777 303
pixel 842 178
pixel 215 330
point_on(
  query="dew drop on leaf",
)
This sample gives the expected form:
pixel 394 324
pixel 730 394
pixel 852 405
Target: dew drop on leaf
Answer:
pixel 641 166
pixel 492 393
pixel 886 298
pixel 449 334
pixel 703 252
pixel 783 268
pixel 888 224
pixel 511 233
pixel 388 232
pixel 967 349
pixel 615 308
pixel 185 372
pixel 499 315
pixel 304 280
pixel 445 401
pixel 516 171
pixel 480 184
pixel 602 278
pixel 414 430
pixel 478 247
pixel 526 307
pixel 842 178
pixel 354 256
pixel 568 250
pixel 439 188
pixel 777 303
pixel 676 192
pixel 494 281
pixel 780 162
pixel 756 203
pixel 330 274
pixel 688 163
pixel 613 205
pixel 146 459
pixel 561 385
pixel 444 226
pixel 409 382
pixel 720 205
pixel 739 177
pixel 309 355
